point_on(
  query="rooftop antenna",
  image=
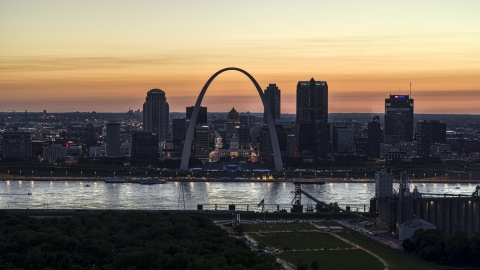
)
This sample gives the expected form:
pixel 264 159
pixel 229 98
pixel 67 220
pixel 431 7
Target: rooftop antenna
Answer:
pixel 410 89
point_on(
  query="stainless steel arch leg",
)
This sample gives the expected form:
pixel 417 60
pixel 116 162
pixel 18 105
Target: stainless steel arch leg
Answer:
pixel 271 124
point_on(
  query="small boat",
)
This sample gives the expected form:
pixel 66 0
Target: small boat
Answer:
pixel 87 185
pixel 151 181
pixel 114 180
pixel 29 193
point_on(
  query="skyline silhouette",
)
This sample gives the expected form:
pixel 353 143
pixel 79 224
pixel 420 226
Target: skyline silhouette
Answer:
pixel 92 56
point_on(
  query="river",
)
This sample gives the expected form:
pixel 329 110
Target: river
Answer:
pixel 177 195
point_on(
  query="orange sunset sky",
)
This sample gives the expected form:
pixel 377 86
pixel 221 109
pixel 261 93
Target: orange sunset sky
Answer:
pixel 105 55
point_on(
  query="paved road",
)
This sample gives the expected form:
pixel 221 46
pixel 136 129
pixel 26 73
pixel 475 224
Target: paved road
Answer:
pixel 384 240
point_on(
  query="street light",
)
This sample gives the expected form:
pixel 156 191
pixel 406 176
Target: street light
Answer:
pixel 66 174
pixel 32 174
pixel 365 177
pixel 51 175
pixel 113 174
pixel 413 177
pixel 446 176
pixel 470 177
pixel 458 177
pixel 81 174
pixel 435 176
pixel 20 173
pixel 300 176
pixel 331 175
pixel 130 174
pixel 95 175
pixel 315 176
pixel 145 174
pixel 283 176
pixel 423 177
pixel 8 172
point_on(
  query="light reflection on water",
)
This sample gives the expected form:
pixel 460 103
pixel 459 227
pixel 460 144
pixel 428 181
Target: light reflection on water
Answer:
pixel 99 195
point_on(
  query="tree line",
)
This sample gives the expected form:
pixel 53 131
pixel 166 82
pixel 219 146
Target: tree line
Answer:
pixel 134 240
pixel 457 249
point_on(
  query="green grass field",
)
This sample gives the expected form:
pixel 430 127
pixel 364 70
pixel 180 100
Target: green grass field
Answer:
pixel 334 259
pixel 299 240
pixel 396 259
pixel 269 227
pixel 327 223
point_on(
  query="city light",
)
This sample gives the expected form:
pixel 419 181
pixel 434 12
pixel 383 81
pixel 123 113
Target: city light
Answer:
pixel 232 96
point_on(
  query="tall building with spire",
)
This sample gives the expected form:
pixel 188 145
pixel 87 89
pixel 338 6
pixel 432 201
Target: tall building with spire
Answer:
pixel 156 114
pixel 272 94
pixel 312 118
pixel 398 119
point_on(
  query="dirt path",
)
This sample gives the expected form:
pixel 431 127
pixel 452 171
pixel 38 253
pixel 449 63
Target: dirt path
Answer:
pixel 357 246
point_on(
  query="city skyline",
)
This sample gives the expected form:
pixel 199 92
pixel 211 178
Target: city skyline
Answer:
pixel 104 56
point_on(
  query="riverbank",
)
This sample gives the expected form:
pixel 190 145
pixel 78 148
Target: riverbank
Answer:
pixel 226 179
pixel 183 179
pixel 217 214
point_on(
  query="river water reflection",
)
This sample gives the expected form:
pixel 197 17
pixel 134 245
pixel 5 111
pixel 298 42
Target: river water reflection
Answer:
pixel 99 195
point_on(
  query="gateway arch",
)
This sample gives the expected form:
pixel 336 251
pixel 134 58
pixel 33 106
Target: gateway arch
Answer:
pixel 271 124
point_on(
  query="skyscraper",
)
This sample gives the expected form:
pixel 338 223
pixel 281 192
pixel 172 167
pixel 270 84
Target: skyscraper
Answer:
pixel 374 138
pixel 201 146
pixel 233 123
pixel 113 139
pixel 17 144
pixel 398 119
pixel 343 140
pixel 312 117
pixel 272 93
pixel 202 118
pixel 312 101
pixel 144 145
pixel 90 136
pixel 156 114
pixel 178 132
pixel 428 133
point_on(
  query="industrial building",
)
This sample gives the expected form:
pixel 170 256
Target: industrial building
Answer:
pixel 447 212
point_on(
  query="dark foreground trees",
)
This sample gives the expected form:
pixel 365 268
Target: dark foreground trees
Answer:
pixel 458 249
pixel 136 240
